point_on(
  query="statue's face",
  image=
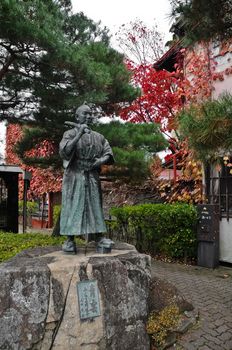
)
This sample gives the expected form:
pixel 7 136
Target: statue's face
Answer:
pixel 84 115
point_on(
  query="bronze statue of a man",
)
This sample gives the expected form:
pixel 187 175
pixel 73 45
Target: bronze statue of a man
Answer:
pixel 83 152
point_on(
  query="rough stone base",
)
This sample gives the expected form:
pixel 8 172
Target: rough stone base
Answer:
pixel 39 303
pixel 163 294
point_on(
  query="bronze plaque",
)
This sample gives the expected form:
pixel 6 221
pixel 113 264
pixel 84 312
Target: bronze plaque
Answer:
pixel 88 297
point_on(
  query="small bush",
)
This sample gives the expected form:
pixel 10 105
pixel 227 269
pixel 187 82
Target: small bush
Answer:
pixel 32 207
pixel 160 324
pixel 159 228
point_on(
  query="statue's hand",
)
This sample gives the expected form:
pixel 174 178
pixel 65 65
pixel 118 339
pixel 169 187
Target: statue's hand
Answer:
pixel 100 161
pixel 84 129
pixel 97 163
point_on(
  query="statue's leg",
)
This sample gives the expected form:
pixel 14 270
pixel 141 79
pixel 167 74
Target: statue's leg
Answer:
pixel 94 237
pixel 91 237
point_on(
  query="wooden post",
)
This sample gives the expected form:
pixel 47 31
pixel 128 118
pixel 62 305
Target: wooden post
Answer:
pixel 174 168
pixel 50 211
pixel 25 187
pixel 42 210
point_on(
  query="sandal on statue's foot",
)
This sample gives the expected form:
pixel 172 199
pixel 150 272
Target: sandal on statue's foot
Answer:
pixel 69 246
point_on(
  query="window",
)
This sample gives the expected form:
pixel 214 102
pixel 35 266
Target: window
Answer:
pixel 219 189
pixel 3 204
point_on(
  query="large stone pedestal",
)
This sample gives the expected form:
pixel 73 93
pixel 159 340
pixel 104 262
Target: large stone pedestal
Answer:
pixel 39 303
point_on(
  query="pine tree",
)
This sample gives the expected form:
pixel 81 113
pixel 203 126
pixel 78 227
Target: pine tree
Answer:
pixel 53 61
pixel 134 147
pixel 29 29
pixel 197 20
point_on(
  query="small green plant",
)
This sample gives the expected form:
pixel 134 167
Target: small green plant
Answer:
pixel 161 323
pixel 32 207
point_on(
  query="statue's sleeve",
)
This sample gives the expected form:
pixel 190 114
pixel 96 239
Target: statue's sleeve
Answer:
pixel 68 135
pixel 107 150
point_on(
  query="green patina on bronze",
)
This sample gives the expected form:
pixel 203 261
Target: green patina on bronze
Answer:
pixel 83 152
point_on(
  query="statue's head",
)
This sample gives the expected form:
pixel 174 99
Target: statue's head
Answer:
pixel 84 115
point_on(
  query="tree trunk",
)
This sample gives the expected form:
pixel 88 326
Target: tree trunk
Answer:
pixel 56 229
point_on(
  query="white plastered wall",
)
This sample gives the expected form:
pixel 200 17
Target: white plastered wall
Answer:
pixel 220 87
pixel 2 141
pixel 225 241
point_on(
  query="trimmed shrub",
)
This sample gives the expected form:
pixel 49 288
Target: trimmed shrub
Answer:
pixel 158 228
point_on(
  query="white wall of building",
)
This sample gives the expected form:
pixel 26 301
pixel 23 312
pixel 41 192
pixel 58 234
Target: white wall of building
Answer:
pixel 225 240
pixel 2 141
pixel 222 87
pixel 223 59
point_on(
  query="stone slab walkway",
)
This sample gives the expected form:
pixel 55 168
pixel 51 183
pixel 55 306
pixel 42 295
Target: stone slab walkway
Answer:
pixel 210 292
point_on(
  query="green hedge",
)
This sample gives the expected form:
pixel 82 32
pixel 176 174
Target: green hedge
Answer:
pixel 158 228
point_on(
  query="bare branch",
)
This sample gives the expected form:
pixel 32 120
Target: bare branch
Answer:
pixel 139 43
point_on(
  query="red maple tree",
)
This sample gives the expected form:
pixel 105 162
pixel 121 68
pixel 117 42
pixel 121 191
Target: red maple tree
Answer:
pixel 160 97
pixel 43 180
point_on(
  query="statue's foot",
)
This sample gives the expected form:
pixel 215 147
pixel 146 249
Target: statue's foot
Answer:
pixel 105 245
pixel 69 247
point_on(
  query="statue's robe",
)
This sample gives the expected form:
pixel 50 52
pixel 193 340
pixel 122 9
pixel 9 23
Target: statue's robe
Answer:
pixel 81 211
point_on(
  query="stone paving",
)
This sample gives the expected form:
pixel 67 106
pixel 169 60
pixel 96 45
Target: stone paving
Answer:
pixel 210 292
